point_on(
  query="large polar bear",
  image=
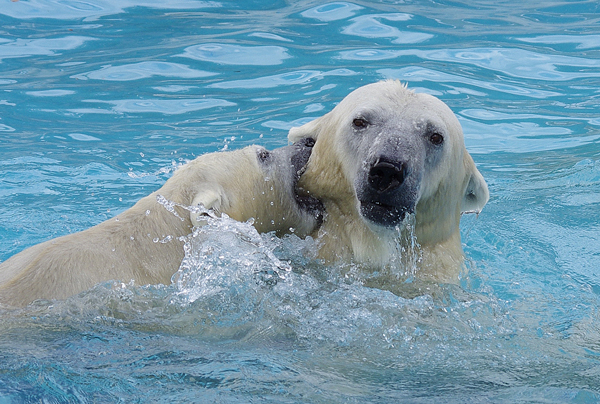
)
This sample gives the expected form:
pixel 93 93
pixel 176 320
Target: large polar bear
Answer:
pixel 382 153
pixel 142 243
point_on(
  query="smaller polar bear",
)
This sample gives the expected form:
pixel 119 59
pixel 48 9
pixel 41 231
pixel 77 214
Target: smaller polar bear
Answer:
pixel 142 243
pixel 382 154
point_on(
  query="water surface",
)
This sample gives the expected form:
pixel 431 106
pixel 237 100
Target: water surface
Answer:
pixel 102 100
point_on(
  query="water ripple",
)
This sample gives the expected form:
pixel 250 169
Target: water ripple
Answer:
pixel 283 79
pixel 237 54
pixel 91 9
pixel 143 70
pixel 369 26
pixel 267 35
pixel 47 46
pixel 50 93
pixel 168 107
pixel 582 41
pixel 416 74
pixel 284 125
pixel 6 128
pixel 520 137
pixel 173 88
pixel 510 61
pixel 519 62
pixel 83 137
pixel 370 54
pixel 489 115
pixel 332 11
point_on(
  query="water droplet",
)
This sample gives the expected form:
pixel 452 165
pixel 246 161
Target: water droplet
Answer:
pixel 166 239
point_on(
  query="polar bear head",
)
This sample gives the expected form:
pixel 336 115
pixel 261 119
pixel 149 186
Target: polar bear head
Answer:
pixel 256 183
pixel 281 169
pixel 385 151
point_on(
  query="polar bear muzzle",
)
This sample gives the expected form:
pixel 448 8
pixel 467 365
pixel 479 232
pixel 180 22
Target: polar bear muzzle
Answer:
pixel 386 191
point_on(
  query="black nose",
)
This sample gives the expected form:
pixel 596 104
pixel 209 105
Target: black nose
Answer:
pixel 385 176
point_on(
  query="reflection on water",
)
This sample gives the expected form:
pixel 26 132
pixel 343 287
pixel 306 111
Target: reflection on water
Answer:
pixel 293 78
pixel 237 55
pixel 143 70
pixel 21 48
pixel 332 11
pixel 91 10
pixel 369 26
pixel 160 106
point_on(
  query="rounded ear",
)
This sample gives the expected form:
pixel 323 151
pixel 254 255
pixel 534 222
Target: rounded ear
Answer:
pixel 476 194
pixel 310 129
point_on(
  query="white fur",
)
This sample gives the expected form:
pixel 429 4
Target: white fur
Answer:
pixel 449 184
pixel 142 243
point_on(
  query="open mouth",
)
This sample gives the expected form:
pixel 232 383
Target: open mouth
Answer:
pixel 382 214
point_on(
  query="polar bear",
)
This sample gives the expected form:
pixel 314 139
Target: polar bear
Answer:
pixel 142 243
pixel 382 154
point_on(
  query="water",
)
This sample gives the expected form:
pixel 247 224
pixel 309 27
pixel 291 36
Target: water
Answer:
pixel 101 101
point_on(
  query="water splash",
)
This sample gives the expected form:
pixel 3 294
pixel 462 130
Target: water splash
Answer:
pixel 409 253
pixel 224 254
pixel 170 206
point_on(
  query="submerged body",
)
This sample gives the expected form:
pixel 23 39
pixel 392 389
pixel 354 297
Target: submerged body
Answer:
pixel 142 244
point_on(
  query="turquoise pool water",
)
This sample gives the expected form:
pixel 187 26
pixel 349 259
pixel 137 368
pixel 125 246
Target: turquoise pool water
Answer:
pixel 100 100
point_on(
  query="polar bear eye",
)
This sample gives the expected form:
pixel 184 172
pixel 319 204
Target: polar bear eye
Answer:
pixel 360 123
pixel 436 138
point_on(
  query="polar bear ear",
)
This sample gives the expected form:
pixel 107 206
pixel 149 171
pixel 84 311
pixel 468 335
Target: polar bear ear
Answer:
pixel 476 194
pixel 310 129
pixel 208 199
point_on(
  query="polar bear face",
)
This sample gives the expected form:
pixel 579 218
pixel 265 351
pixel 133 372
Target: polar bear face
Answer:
pixel 384 152
pixel 398 150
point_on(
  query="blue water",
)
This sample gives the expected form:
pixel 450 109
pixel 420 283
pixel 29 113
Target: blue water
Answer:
pixel 100 101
